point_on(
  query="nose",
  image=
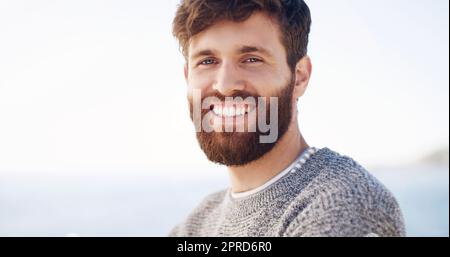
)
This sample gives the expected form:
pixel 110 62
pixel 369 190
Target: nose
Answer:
pixel 228 79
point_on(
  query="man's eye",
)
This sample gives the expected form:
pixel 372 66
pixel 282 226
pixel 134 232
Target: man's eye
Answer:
pixel 252 60
pixel 207 62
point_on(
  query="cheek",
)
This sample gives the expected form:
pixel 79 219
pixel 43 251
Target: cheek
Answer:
pixel 199 81
pixel 264 82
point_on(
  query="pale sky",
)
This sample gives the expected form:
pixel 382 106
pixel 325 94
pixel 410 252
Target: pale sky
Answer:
pixel 98 85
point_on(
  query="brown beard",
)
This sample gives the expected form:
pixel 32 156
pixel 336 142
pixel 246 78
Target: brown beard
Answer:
pixel 240 148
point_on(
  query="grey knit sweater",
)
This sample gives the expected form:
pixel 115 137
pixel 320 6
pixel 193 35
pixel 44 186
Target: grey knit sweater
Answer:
pixel 330 195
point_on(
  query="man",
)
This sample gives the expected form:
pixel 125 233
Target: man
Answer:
pixel 240 55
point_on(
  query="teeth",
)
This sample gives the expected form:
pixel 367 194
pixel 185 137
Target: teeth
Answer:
pixel 230 111
pixel 216 110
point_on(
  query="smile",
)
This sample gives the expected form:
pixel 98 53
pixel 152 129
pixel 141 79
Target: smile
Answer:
pixel 223 110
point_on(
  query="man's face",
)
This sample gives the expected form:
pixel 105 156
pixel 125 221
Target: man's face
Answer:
pixel 245 59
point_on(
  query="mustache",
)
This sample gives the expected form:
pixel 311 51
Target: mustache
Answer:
pixel 235 94
pixel 221 97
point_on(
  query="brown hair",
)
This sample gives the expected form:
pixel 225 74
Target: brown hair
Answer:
pixel 293 17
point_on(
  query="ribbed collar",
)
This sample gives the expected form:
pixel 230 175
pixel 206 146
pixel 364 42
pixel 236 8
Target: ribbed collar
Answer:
pixel 291 184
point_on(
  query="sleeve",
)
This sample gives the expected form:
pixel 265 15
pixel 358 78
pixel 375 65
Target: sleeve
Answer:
pixel 354 209
pixel 194 222
pixel 175 231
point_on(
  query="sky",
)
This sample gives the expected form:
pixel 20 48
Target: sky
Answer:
pixel 98 85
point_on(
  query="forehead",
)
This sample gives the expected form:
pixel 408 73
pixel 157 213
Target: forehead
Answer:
pixel 258 30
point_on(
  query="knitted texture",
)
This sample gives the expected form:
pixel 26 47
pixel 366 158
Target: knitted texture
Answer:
pixel 329 195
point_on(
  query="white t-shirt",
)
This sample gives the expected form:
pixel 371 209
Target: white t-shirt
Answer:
pixel 304 156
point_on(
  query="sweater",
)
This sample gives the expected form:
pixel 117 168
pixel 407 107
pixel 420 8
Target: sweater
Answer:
pixel 329 195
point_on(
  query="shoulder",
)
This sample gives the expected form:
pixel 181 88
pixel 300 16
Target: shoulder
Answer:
pixel 342 174
pixel 209 201
pixel 195 218
pixel 345 199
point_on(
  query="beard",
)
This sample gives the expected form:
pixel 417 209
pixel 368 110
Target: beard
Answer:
pixel 241 148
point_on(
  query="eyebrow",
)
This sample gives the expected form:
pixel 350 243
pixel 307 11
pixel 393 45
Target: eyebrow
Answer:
pixel 251 49
pixel 206 52
pixel 242 50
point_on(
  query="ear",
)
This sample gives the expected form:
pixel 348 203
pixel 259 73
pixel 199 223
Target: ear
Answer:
pixel 303 70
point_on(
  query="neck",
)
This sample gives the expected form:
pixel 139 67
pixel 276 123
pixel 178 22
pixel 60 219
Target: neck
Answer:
pixel 256 173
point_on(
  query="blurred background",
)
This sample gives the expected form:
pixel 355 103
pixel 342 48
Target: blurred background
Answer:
pixel 95 137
